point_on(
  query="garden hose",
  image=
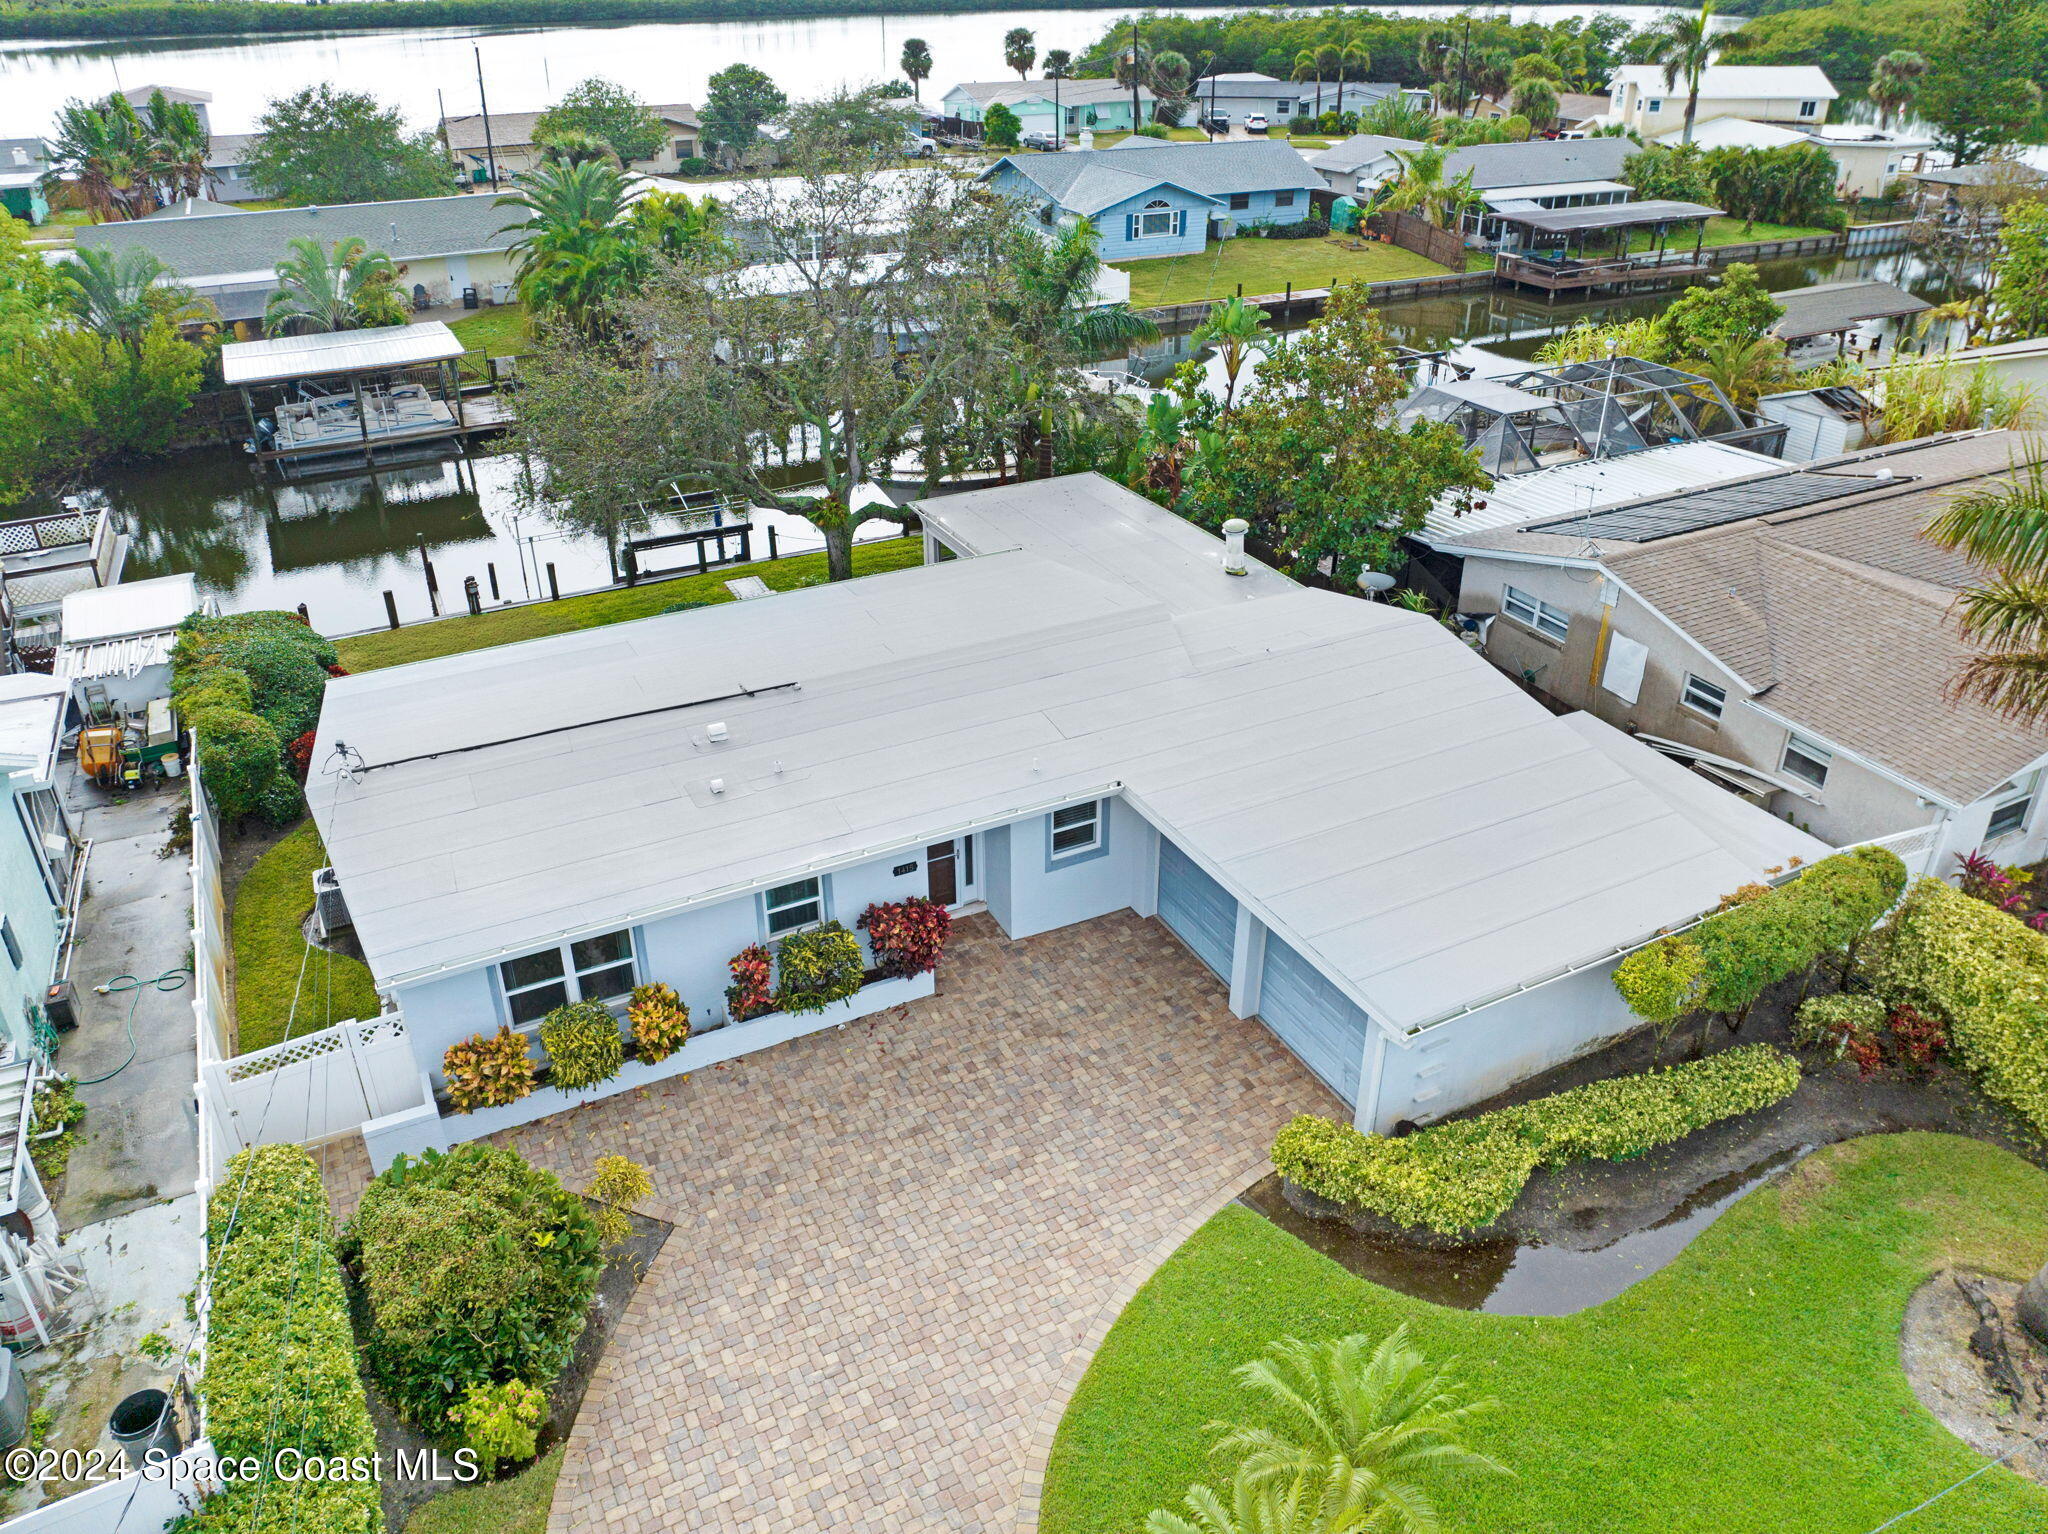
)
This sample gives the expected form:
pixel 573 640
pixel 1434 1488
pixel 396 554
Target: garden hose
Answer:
pixel 169 980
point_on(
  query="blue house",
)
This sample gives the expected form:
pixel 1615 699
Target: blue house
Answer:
pixel 1152 197
pixel 36 852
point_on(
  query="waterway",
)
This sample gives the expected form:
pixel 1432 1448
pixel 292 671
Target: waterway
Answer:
pixel 526 68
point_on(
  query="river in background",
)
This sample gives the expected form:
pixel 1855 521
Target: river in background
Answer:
pixel 527 68
pixel 338 543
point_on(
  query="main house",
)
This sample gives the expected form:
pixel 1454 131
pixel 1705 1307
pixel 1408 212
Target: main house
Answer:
pixel 1415 874
pixel 507 139
pixel 1149 197
pixel 1648 105
pixel 1542 173
pixel 1788 633
pixel 442 246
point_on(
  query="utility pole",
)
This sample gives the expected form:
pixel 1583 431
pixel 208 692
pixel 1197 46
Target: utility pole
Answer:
pixel 1134 74
pixel 490 149
pixel 1465 65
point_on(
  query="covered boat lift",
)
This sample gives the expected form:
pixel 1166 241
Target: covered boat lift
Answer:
pixel 1550 251
pixel 349 393
pixel 1836 309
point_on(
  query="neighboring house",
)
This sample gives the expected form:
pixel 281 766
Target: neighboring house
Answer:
pixel 1791 634
pixel 23 163
pixel 1148 197
pixel 1541 173
pixel 441 245
pixel 1867 159
pixel 511 143
pixel 227 164
pixel 1361 164
pixel 1239 95
pixel 1946 190
pixel 1416 875
pixel 201 102
pixel 36 856
pixel 45 558
pixel 1796 95
pixel 1573 108
pixel 1097 104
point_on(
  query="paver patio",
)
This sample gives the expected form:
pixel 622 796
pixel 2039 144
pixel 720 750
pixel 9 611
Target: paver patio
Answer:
pixel 897 1241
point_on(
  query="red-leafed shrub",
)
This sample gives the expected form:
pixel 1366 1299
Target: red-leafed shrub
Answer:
pixel 300 754
pixel 1916 1038
pixel 2006 888
pixel 907 935
pixel 752 991
pixel 338 669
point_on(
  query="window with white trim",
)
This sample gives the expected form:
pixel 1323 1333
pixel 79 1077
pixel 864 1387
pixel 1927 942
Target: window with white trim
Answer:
pixel 1552 622
pixel 1077 828
pixel 2010 813
pixel 1806 761
pixel 1157 219
pixel 596 969
pixel 794 905
pixel 1703 697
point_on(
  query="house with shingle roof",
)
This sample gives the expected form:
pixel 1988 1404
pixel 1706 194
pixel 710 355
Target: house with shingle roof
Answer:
pixel 1041 104
pixel 510 142
pixel 1789 634
pixel 1151 197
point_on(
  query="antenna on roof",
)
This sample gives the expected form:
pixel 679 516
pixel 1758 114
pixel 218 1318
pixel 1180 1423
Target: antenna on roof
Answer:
pixel 344 761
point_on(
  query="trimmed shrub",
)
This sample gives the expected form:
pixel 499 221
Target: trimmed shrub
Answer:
pixel 288 1507
pixel 487 1070
pixel 1661 981
pixel 908 936
pixel 1831 1022
pixel 281 1359
pixel 500 1422
pixel 660 1021
pixel 239 762
pixel 818 967
pixel 477 1268
pixel 1986 977
pixel 752 992
pixel 583 1044
pixel 694 165
pixel 284 660
pixel 1465 1174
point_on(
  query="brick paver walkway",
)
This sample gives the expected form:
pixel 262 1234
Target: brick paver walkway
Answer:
pixel 894 1239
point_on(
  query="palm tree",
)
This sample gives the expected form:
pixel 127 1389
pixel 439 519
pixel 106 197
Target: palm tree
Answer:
pixel 176 146
pixel 1745 367
pixel 1895 81
pixel 916 64
pixel 1058 280
pixel 100 148
pixel 575 146
pixel 1236 329
pixel 1173 82
pixel 1383 1411
pixel 1356 56
pixel 2004 525
pixel 1335 1499
pixel 1491 74
pixel 1020 50
pixel 1394 117
pixel 1685 46
pixel 1059 65
pixel 1305 70
pixel 350 287
pixel 1133 64
pixel 118 296
pixel 1422 187
pixel 572 256
pixel 1536 99
pixel 670 224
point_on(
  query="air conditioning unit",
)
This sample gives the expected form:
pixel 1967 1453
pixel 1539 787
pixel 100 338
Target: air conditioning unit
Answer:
pixel 330 911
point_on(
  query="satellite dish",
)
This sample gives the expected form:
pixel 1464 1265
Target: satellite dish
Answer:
pixel 1373 582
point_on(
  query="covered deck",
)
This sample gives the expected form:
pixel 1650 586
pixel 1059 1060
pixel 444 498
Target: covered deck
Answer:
pixel 1559 250
pixel 351 393
pixel 1831 312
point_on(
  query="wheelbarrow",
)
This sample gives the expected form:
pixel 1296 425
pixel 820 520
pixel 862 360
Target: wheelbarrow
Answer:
pixel 102 751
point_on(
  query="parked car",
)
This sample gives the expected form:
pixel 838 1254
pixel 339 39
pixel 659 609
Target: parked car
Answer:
pixel 1045 141
pixel 918 147
pixel 1216 122
pixel 1256 123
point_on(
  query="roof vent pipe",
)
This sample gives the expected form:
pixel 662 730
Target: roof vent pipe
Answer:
pixel 1233 545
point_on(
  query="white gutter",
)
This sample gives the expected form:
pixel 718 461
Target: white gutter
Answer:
pixel 1771 780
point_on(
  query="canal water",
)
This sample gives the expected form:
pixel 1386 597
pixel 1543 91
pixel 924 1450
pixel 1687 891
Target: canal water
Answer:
pixel 338 543
pixel 526 68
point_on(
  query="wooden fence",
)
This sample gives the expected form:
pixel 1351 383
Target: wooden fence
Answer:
pixel 1411 231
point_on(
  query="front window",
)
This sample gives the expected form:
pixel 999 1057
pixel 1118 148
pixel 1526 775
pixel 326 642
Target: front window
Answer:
pixel 1239 201
pixel 1077 828
pixel 597 968
pixel 2011 812
pixel 1283 199
pixel 1807 761
pixel 791 906
pixel 1654 104
pixel 1156 220
pixel 1808 108
pixel 1554 622
pixel 1703 697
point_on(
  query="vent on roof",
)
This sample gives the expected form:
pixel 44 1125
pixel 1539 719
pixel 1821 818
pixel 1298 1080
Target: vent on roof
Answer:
pixel 1712 506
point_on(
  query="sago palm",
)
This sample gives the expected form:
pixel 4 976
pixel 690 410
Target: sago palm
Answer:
pixel 1383 1410
pixel 2004 525
pixel 348 287
pixel 1333 1498
pixel 1744 367
pixel 1236 329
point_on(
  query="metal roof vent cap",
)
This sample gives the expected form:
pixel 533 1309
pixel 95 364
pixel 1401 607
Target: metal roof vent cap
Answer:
pixel 1233 545
pixel 717 733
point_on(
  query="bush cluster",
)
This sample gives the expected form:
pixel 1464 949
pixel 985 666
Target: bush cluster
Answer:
pixel 478 1269
pixel 908 936
pixel 1304 229
pixel 487 1070
pixel 818 967
pixel 584 1045
pixel 1984 975
pixel 244 684
pixel 1465 1174
pixel 660 1021
pixel 281 1360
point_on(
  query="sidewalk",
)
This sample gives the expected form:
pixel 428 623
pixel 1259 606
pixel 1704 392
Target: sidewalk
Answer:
pixel 139 1142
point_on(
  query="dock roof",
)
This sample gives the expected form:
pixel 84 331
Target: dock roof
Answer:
pixel 340 351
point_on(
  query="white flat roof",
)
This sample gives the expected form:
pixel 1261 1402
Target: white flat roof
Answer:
pixel 1501 194
pixel 1487 395
pixel 139 607
pixel 1587 484
pixel 341 351
pixel 31 719
pixel 1388 803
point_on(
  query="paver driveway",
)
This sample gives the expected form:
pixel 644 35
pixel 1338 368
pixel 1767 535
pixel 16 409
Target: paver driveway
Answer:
pixel 892 1239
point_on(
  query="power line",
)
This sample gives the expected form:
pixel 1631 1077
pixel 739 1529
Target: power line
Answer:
pixel 1989 1464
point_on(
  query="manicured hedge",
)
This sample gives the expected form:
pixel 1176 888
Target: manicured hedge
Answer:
pixel 1467 1173
pixel 246 684
pixel 1986 975
pixel 280 1356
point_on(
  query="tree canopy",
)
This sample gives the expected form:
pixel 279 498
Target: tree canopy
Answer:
pixel 322 145
pixel 738 101
pixel 607 112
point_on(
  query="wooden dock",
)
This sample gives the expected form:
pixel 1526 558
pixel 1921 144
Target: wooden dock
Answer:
pixel 481 415
pixel 1626 273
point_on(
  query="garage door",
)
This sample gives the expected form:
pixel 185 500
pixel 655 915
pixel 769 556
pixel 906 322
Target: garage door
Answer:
pixel 1313 1018
pixel 1200 911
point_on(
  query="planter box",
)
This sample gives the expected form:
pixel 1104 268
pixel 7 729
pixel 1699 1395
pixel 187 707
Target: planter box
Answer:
pixel 701 1050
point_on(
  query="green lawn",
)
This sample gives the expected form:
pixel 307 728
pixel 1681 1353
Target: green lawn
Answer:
pixel 1724 231
pixel 1267 266
pixel 517 1506
pixel 1753 1387
pixel 451 636
pixel 272 959
pixel 498 330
